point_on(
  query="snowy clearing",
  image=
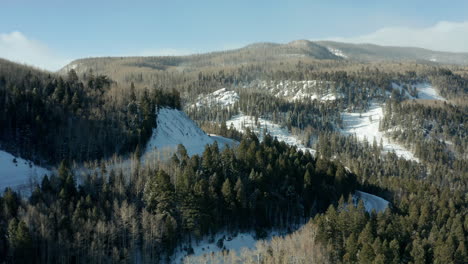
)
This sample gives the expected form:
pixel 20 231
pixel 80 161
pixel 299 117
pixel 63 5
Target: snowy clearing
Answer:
pixel 428 92
pixel 241 122
pixel 221 97
pixel 230 241
pixel 425 91
pixel 174 127
pixel 207 246
pixel 19 174
pixel 366 127
pixel 371 202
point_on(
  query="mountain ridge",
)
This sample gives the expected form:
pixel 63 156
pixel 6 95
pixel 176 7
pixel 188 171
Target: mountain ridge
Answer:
pixel 321 50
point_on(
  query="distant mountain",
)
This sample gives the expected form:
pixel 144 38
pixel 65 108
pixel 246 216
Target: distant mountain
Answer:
pixel 268 52
pixel 371 52
pixel 254 53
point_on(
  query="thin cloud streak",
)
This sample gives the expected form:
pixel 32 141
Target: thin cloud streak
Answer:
pixel 443 36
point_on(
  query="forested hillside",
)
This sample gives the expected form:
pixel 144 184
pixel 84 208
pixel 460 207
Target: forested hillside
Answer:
pixel 141 216
pixel 47 118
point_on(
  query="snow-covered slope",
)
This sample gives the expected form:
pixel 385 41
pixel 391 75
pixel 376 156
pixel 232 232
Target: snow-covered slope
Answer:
pixel 19 174
pixel 366 126
pixel 428 92
pixel 371 202
pixel 174 127
pixel 241 122
pixel 424 90
pixel 221 97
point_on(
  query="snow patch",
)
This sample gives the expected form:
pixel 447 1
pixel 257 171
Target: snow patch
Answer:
pixel 221 97
pixel 298 90
pixel 424 91
pixel 242 122
pixel 232 242
pixel 371 202
pixel 17 175
pixel 428 92
pixel 366 127
pixel 174 127
pixel 209 246
pixel 337 52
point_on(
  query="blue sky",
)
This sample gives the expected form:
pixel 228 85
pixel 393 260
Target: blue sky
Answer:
pixel 49 33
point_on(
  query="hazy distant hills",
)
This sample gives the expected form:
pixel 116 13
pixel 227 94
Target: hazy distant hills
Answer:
pixel 269 52
pixel 370 52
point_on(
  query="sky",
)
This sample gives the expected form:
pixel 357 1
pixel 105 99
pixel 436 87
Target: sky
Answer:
pixel 49 34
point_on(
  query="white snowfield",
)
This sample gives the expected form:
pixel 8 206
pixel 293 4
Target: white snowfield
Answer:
pixel 18 175
pixel 298 90
pixel 221 97
pixel 366 127
pixel 174 127
pixel 371 202
pixel 425 91
pixel 241 122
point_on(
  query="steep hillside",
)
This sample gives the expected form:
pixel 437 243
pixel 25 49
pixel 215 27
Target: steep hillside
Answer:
pixel 174 127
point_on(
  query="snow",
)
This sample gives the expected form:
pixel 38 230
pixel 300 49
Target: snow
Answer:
pixel 298 90
pixel 366 127
pixel 426 91
pixel 221 97
pixel 241 122
pixel 231 241
pixel 18 175
pixel 174 127
pixel 371 202
pixel 337 52
pixel 207 246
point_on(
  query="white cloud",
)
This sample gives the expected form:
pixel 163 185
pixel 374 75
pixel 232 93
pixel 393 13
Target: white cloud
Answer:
pixel 15 46
pixel 443 36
